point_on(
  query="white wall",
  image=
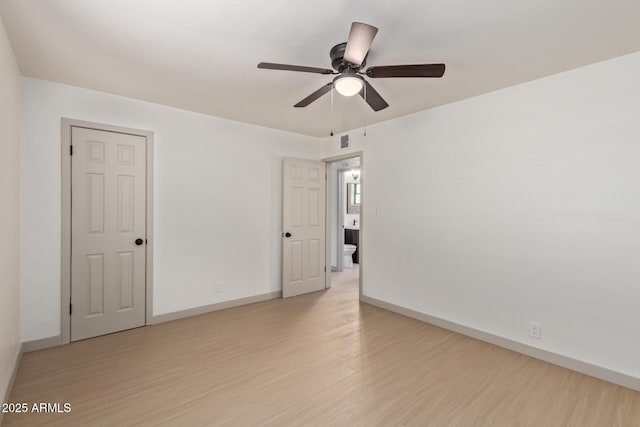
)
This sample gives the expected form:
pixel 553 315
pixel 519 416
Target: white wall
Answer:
pixel 217 206
pixel 9 211
pixel 521 204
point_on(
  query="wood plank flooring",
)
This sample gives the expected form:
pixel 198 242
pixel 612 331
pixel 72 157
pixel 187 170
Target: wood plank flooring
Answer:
pixel 318 359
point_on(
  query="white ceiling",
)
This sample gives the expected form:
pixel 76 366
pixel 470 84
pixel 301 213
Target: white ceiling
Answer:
pixel 201 55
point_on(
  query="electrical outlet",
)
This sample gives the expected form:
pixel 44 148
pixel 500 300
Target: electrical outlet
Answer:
pixel 218 287
pixel 535 330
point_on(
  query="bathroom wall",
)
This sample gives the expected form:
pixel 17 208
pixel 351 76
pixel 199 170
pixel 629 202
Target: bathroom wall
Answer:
pixel 9 212
pixel 515 206
pixel 217 200
pixel 349 218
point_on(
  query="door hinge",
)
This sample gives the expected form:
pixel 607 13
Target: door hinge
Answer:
pixel 70 309
pixel 71 150
pixel 325 268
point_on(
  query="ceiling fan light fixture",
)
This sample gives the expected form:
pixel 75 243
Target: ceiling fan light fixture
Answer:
pixel 348 85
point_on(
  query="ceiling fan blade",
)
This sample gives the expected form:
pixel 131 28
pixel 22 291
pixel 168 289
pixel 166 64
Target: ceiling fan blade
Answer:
pixel 373 98
pixel 360 38
pixel 315 95
pixel 287 67
pixel 417 70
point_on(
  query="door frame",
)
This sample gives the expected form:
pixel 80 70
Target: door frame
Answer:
pixel 329 194
pixel 65 291
pixel 340 206
pixel 331 182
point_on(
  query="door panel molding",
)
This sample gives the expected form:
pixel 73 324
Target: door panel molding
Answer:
pixel 65 292
pixel 303 225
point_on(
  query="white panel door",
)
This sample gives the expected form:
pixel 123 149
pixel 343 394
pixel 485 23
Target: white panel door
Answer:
pixel 108 232
pixel 303 218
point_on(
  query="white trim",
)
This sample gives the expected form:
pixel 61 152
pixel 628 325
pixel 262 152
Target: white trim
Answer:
pixel 328 182
pixel 341 206
pixel 340 236
pixel 600 372
pixel 66 125
pixel 149 236
pixel 12 378
pixel 41 343
pixel 196 311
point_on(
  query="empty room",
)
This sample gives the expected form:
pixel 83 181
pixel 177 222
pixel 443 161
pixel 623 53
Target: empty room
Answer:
pixel 346 213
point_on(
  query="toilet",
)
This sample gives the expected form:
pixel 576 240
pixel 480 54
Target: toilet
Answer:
pixel 348 252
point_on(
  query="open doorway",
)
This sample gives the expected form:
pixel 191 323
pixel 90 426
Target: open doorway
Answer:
pixel 344 218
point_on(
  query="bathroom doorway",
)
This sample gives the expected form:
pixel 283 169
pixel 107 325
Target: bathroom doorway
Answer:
pixel 344 216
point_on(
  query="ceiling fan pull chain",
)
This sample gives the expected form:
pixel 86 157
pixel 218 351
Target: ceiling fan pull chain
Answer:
pixel 331 111
pixel 364 118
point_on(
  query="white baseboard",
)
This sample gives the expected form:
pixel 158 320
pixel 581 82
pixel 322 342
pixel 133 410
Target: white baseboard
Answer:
pixel 41 343
pixel 12 378
pixel 545 355
pixel 167 317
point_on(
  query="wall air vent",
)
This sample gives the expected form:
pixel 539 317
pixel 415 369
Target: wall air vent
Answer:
pixel 344 141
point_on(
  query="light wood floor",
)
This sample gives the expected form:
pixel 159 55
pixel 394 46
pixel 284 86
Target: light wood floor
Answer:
pixel 319 359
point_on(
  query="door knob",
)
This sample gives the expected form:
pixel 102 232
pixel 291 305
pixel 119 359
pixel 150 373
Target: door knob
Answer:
pixel 287 234
pixel 139 241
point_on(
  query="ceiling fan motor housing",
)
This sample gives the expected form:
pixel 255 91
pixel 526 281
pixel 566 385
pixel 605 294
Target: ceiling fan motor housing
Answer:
pixel 337 58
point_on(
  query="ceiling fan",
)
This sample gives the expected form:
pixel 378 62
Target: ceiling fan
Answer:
pixel 348 59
